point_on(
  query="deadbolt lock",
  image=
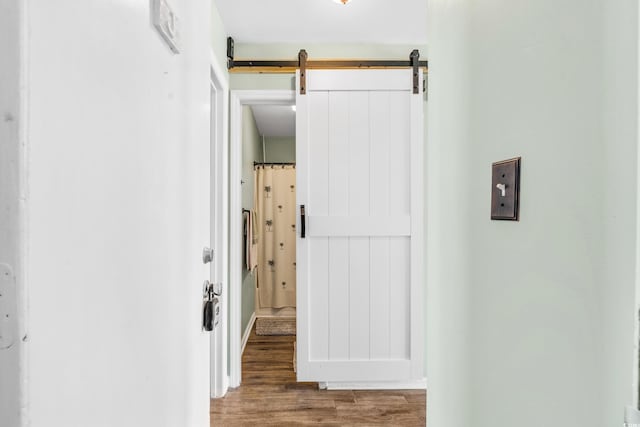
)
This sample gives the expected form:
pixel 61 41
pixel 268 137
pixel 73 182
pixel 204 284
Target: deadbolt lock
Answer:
pixel 207 255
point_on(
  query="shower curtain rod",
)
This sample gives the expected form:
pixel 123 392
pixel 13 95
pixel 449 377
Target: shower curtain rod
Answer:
pixel 274 164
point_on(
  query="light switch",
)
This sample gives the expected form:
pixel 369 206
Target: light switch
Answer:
pixel 505 190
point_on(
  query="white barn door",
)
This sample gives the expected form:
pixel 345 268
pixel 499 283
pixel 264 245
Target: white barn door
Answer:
pixel 359 139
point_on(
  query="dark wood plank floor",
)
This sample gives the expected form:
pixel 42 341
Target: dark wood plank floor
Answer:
pixel 270 396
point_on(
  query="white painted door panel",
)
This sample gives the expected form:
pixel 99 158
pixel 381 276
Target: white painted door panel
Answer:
pixel 336 226
pixel 359 175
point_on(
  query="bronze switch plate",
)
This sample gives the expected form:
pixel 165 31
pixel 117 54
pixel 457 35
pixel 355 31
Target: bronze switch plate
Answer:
pixel 505 190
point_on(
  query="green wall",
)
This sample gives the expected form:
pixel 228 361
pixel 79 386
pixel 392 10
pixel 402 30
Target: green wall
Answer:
pixel 531 323
pixel 280 150
pixel 251 151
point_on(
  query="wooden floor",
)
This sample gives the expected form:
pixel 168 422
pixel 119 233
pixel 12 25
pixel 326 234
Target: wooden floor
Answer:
pixel 270 396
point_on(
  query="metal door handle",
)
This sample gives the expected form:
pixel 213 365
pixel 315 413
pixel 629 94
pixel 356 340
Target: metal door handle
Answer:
pixel 302 222
pixel 211 289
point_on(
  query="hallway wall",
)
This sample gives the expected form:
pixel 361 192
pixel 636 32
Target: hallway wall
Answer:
pixel 12 347
pixel 530 323
pixel 218 38
pixel 618 289
pixel 118 216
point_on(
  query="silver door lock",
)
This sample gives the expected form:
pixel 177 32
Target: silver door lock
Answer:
pixel 211 305
pixel 207 255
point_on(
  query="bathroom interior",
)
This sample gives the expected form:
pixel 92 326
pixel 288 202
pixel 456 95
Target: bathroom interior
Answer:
pixel 269 221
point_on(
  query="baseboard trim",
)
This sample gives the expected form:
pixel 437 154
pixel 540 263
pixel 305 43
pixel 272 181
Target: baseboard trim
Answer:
pixel 374 385
pixel 247 332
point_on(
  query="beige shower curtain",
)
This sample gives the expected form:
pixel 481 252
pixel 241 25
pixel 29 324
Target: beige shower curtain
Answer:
pixel 275 204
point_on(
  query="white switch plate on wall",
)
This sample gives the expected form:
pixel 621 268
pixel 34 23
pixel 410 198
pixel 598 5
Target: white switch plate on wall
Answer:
pixel 166 22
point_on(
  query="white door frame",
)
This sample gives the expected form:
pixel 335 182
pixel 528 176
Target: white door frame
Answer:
pixel 219 226
pixel 636 313
pixel 240 98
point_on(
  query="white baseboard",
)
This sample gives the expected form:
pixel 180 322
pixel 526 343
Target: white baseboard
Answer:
pixel 374 385
pixel 247 332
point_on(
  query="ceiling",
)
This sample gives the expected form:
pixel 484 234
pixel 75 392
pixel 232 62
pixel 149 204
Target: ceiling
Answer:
pixel 323 21
pixel 275 120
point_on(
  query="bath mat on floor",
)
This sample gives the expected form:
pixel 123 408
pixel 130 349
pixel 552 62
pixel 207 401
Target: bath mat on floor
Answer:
pixel 275 326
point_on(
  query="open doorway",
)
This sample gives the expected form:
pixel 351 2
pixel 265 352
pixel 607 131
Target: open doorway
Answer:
pixel 262 212
pixel 269 222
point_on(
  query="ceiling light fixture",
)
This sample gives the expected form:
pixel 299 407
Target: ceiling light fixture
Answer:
pixel 341 1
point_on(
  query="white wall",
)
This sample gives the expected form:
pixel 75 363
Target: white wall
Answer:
pixel 218 37
pixel 530 323
pixel 118 180
pixel 11 125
